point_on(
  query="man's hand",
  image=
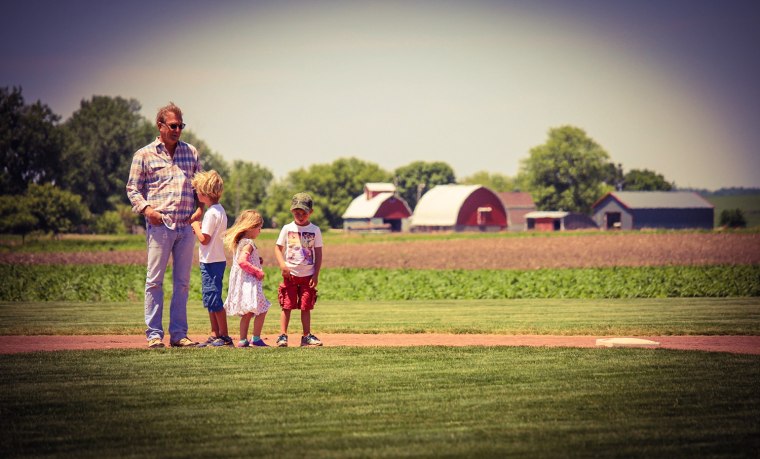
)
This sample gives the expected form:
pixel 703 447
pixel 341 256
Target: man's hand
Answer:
pixel 153 216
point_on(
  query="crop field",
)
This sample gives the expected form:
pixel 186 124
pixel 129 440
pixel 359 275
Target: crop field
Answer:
pixel 423 401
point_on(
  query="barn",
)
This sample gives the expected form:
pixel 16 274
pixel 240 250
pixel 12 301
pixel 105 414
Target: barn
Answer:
pixel 557 221
pixel 378 209
pixel 653 209
pixel 517 205
pixel 459 208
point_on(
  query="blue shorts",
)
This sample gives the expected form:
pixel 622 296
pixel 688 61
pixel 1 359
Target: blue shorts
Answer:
pixel 212 275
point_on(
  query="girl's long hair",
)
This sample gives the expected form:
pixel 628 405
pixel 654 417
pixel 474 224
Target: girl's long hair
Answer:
pixel 248 219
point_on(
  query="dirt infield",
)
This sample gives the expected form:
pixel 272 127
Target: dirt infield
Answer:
pixel 567 251
pixel 731 344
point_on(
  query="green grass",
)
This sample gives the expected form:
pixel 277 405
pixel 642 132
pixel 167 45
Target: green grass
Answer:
pixel 380 402
pixel 639 317
pixel 749 205
pixel 107 283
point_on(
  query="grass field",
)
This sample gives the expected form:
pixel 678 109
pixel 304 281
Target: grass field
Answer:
pixel 379 402
pixel 660 316
pixel 749 205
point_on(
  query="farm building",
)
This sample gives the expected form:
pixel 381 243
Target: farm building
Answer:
pixel 377 209
pixel 653 209
pixel 459 208
pixel 557 221
pixel 517 204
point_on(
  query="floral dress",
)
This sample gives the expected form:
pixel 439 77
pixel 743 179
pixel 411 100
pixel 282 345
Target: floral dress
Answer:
pixel 245 293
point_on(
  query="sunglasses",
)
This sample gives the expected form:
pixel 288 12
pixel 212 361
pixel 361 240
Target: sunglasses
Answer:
pixel 174 126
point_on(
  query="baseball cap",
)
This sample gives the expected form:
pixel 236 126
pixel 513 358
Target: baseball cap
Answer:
pixel 301 201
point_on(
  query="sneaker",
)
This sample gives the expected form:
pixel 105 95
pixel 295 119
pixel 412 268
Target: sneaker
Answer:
pixel 227 341
pixel 261 343
pixel 184 342
pixel 218 342
pixel 282 341
pixel 155 343
pixel 310 340
pixel 208 342
pixel 243 343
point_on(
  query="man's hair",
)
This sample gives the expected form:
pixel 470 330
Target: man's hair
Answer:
pixel 209 184
pixel 161 115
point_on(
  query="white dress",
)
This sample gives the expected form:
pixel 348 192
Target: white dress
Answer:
pixel 245 293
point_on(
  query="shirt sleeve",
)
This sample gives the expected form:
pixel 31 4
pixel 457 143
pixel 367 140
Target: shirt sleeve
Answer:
pixel 136 183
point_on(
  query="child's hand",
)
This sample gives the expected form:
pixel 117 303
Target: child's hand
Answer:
pixel 259 274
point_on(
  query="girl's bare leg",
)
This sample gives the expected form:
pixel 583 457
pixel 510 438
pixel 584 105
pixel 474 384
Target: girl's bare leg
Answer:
pixel 244 322
pixel 258 324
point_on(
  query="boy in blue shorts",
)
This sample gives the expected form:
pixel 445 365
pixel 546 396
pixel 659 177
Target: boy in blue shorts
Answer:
pixel 299 254
pixel 209 187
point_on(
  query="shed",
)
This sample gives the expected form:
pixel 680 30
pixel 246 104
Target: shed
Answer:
pixel 653 209
pixel 378 209
pixel 459 208
pixel 517 204
pixel 558 221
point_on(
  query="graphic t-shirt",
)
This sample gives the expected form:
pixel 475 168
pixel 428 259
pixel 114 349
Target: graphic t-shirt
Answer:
pixel 300 243
pixel 214 224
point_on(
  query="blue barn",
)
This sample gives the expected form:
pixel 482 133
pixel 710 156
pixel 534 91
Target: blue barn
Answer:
pixel 653 209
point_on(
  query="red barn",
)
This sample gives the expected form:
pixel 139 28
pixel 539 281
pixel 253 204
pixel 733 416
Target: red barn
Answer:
pixel 377 209
pixel 459 208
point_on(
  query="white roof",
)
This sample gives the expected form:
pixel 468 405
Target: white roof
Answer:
pixel 380 187
pixel 661 199
pixel 361 207
pixel 441 205
pixel 547 214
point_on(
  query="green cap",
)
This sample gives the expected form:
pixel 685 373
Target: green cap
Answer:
pixel 301 201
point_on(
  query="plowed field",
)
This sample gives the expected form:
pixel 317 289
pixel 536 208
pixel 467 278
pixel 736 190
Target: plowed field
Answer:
pixel 570 251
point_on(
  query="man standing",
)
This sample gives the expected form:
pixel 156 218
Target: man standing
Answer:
pixel 159 187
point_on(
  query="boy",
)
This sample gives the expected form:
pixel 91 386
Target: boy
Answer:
pixel 209 187
pixel 299 254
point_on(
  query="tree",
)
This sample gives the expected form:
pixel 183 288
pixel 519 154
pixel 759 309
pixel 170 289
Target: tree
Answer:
pixel 209 158
pixel 30 143
pixel 101 138
pixel 645 180
pixel 332 186
pixel 568 172
pixel 56 210
pixel 415 179
pixel 16 217
pixel 496 182
pixel 733 218
pixel 245 187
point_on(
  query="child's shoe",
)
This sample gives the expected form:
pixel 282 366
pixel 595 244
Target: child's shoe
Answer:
pixel 227 341
pixel 282 341
pixel 259 343
pixel 243 343
pixel 310 340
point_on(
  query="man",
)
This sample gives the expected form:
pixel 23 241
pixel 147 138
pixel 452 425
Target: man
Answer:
pixel 159 187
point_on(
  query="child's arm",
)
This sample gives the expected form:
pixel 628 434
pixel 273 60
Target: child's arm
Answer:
pixel 317 266
pixel 281 260
pixel 246 265
pixel 203 238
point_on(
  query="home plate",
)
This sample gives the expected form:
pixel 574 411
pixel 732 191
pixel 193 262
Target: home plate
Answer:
pixel 626 342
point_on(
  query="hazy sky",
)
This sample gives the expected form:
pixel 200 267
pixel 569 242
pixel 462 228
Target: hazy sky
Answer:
pixel 669 85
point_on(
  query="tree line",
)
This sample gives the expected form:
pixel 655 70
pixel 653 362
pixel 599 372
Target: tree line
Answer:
pixel 70 176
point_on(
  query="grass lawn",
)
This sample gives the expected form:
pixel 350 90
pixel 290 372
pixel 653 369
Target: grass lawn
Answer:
pixel 660 316
pixel 380 402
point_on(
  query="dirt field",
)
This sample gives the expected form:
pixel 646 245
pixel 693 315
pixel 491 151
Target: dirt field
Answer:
pixel 572 251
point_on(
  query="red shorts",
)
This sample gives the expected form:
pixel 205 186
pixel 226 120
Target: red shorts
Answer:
pixel 295 293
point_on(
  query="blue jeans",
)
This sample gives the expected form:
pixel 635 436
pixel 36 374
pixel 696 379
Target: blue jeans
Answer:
pixel 180 244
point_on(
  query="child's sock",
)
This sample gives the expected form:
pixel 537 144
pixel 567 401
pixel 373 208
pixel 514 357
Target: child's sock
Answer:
pixel 256 338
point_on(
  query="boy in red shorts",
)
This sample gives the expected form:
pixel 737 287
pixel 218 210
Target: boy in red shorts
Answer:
pixel 299 254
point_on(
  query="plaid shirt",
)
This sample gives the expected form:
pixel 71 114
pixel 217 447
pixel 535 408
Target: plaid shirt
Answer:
pixel 157 180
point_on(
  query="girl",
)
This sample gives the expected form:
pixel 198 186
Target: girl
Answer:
pixel 245 296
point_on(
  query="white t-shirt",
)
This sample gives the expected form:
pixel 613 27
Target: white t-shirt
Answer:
pixel 214 224
pixel 300 243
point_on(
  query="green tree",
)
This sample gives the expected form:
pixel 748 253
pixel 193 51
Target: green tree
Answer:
pixel 57 211
pixel 415 179
pixel 494 181
pixel 245 187
pixel 101 138
pixel 209 158
pixel 645 180
pixel 332 186
pixel 16 217
pixel 733 218
pixel 30 143
pixel 567 172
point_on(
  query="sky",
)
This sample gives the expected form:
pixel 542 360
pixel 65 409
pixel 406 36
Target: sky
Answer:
pixel 665 85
